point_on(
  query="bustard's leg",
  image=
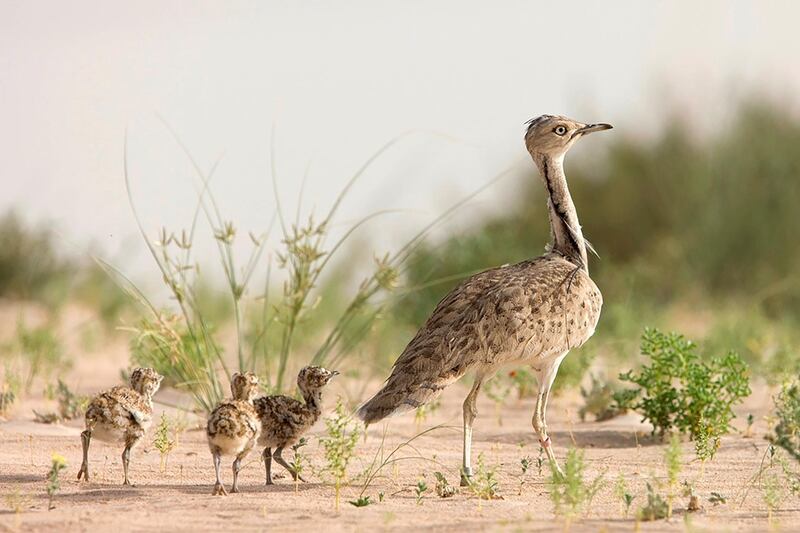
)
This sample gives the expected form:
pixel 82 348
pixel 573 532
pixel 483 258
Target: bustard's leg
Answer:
pixel 126 461
pixel 219 488
pixel 86 438
pixel 546 375
pixel 280 460
pixel 237 466
pixel 470 413
pixel 267 455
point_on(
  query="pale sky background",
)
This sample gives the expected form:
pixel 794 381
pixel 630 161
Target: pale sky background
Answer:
pixel 336 80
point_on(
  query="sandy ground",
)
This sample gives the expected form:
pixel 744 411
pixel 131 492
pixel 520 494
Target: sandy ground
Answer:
pixel 180 499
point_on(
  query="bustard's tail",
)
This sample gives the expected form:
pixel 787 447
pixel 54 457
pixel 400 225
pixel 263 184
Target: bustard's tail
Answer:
pixel 411 385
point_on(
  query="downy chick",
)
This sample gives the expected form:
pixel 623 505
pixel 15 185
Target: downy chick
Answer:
pixel 284 420
pixel 233 427
pixel 121 414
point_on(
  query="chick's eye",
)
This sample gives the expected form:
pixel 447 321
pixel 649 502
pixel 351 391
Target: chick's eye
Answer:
pixel 560 130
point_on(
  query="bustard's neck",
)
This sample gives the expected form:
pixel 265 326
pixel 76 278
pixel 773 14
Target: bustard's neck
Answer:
pixel 565 230
pixel 313 399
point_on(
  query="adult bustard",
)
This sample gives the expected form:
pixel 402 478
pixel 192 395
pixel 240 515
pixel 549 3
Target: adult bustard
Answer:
pixel 532 312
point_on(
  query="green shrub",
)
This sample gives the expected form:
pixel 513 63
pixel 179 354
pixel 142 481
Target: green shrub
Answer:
pixel 679 390
pixel 786 433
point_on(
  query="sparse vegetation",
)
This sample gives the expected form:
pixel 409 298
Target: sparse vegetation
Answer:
pixel 483 482
pixel 672 461
pixel 786 433
pixel 298 462
pixel 70 405
pixel 339 444
pixel 53 479
pixel 655 508
pixel 40 351
pixel 163 441
pixel 572 493
pixel 622 493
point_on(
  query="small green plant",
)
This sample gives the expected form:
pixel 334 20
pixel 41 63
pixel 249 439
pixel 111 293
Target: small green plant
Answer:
pixel 339 444
pixel 655 508
pixel 163 442
pixel 540 459
pixel 70 405
pixel 483 483
pixel 672 461
pixel 420 490
pixel 9 390
pixel 525 465
pixel 693 504
pixel 622 493
pixel 771 493
pixel 706 444
pixel 748 431
pixel 16 500
pixel 571 494
pixel 497 390
pixel 443 488
pixel 363 501
pixel 598 401
pixel 53 481
pixel 679 390
pixel 298 462
pixel 786 433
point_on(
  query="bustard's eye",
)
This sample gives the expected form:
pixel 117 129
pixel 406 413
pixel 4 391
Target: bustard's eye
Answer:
pixel 560 130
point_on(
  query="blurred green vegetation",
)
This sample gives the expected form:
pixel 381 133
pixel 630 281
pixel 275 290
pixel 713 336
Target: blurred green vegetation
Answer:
pixel 698 234
pixel 695 234
pixel 33 268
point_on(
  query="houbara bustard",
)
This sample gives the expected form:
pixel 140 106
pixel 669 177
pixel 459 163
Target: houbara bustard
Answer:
pixel 531 313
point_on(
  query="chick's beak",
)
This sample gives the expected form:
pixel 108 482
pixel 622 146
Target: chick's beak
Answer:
pixel 334 373
pixel 589 128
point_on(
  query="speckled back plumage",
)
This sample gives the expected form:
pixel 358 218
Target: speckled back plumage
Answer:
pixel 124 413
pixel 233 425
pixel 517 313
pixel 283 420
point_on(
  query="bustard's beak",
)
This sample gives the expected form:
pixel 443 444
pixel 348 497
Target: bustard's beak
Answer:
pixel 334 373
pixel 589 128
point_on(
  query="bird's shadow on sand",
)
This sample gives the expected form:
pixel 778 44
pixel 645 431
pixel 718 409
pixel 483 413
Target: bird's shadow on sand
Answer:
pixel 586 438
pixel 20 478
pixel 258 488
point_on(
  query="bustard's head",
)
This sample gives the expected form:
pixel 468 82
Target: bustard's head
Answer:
pixel 553 135
pixel 145 381
pixel 244 386
pixel 313 378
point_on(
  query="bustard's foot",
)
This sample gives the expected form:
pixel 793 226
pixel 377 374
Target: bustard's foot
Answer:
pixel 84 471
pixel 556 471
pixel 127 483
pixel 219 490
pixel 295 477
pixel 466 477
pixel 269 482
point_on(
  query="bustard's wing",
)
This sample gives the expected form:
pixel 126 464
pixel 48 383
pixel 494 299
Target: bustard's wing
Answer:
pixel 497 316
